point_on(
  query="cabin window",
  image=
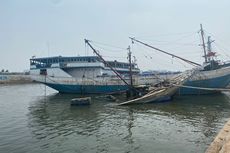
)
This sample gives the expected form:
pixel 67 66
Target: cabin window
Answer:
pixel 43 72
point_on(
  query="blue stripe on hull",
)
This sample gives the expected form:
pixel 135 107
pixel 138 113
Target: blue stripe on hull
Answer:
pixel 88 89
pixel 218 82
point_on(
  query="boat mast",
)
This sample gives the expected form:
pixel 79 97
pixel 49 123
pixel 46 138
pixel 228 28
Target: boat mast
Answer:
pixel 203 43
pixel 106 63
pixel 130 66
pixel 183 59
pixel 209 48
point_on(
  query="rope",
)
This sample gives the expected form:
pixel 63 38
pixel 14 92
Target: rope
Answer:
pixel 203 88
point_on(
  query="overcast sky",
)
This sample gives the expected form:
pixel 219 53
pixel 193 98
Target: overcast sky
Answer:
pixel 59 27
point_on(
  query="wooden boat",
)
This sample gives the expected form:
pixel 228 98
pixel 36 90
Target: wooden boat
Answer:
pixel 213 73
pixel 163 93
pixel 153 96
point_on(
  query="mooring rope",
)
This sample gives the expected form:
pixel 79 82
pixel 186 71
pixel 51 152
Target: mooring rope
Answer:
pixel 203 88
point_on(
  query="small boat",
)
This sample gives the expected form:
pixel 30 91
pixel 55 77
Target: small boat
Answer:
pixel 213 74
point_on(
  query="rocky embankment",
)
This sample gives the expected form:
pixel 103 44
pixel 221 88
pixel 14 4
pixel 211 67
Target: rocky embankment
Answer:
pixel 221 144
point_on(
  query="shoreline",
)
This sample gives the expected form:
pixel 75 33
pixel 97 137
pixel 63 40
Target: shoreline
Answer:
pixel 15 79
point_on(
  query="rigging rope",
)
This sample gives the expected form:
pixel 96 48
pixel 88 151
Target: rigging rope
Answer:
pixel 169 34
pixel 108 45
pixel 162 51
pixel 165 62
pixel 218 43
pixel 203 88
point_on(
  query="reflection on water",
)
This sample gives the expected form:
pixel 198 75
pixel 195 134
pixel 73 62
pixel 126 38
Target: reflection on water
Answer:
pixel 203 112
pixel 32 122
pixel 187 122
pixel 89 127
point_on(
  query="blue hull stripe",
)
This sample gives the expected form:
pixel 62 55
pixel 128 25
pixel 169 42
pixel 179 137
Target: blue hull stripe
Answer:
pixel 88 89
pixel 218 82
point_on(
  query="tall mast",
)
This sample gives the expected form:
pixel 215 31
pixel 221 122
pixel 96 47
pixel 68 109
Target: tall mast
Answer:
pixel 130 66
pixel 106 63
pixel 183 59
pixel 203 43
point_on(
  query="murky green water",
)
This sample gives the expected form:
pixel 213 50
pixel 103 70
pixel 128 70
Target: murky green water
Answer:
pixel 31 122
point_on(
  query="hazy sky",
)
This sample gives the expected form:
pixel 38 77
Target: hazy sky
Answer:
pixel 59 27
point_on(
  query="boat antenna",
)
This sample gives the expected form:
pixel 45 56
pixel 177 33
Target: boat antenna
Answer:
pixel 203 44
pixel 106 63
pixel 209 49
pixel 130 65
pixel 183 59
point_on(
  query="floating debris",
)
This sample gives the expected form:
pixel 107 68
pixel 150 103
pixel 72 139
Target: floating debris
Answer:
pixel 81 101
pixel 107 97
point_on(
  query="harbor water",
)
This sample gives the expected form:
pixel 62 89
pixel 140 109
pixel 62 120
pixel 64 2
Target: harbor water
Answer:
pixel 39 120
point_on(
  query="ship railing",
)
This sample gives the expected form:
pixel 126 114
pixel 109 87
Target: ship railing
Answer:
pixel 81 81
pixel 137 80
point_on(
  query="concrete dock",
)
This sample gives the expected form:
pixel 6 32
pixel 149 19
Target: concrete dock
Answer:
pixel 221 144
